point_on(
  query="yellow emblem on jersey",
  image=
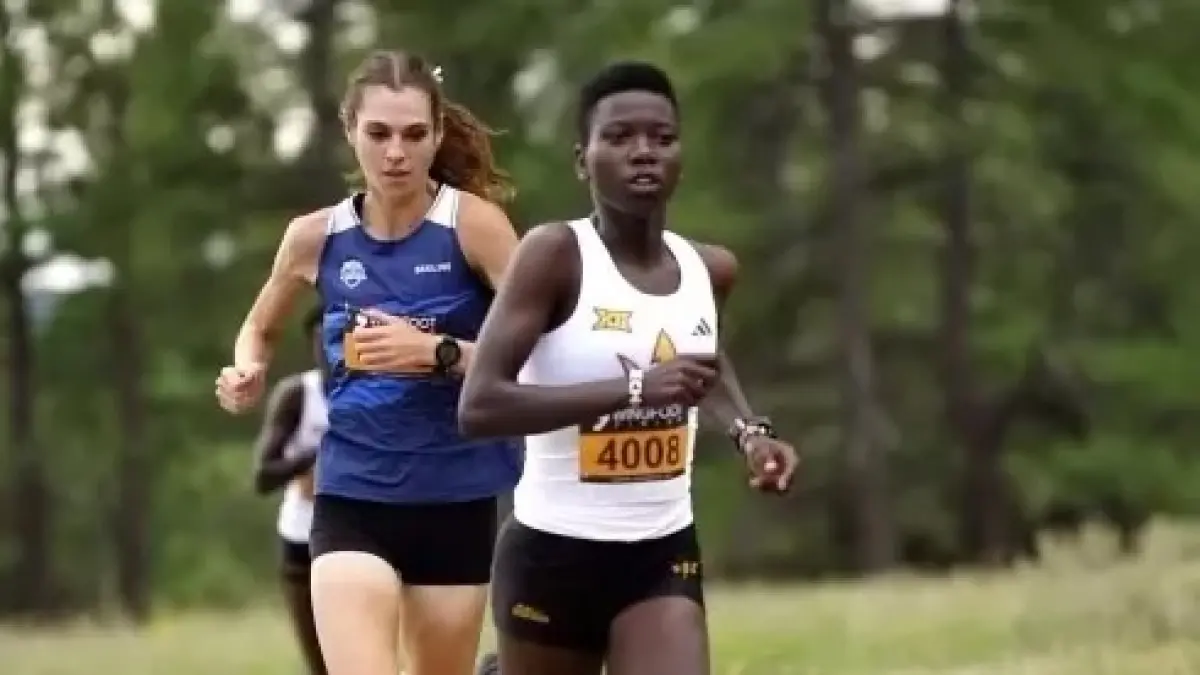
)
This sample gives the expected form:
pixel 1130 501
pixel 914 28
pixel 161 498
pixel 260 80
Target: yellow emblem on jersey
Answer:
pixel 613 319
pixel 664 350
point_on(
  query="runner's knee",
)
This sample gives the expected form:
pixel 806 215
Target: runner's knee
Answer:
pixel 356 600
pixel 442 627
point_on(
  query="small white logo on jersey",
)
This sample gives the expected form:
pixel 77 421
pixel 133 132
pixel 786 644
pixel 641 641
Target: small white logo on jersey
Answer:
pixel 432 268
pixel 427 324
pixel 352 273
pixel 702 329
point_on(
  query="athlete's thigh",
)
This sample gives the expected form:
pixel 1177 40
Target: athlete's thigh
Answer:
pixel 355 588
pixel 356 598
pixel 516 655
pixel 661 628
pixel 401 648
pixel 441 628
pixel 551 591
pixel 445 566
pixel 667 634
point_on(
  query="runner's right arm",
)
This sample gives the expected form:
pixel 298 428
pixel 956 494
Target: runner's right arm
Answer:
pixel 272 469
pixel 294 269
pixel 539 285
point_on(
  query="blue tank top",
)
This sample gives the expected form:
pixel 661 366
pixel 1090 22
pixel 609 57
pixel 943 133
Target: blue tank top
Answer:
pixel 394 438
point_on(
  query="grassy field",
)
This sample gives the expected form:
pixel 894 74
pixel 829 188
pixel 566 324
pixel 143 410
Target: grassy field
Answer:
pixel 1079 614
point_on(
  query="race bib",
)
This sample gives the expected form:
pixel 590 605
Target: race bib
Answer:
pixel 350 350
pixel 356 319
pixel 635 446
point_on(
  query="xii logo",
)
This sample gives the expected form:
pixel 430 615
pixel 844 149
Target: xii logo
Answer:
pixel 613 320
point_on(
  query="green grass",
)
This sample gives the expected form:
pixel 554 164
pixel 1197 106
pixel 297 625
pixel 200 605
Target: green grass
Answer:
pixel 1079 614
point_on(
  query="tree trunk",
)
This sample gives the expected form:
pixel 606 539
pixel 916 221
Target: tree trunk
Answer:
pixel 130 521
pixel 873 538
pixel 29 588
pixel 984 532
pixel 319 163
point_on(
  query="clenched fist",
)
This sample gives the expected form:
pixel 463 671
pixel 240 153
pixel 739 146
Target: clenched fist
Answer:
pixel 684 380
pixel 240 387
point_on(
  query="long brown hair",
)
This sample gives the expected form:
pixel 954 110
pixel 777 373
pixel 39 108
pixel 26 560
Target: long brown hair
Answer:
pixel 464 160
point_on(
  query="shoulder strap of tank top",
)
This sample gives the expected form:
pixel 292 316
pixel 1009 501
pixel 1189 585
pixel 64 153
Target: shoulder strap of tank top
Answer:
pixel 595 265
pixel 444 210
pixel 691 265
pixel 591 247
pixel 342 216
pixel 585 234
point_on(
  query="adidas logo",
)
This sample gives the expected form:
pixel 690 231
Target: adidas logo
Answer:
pixel 702 329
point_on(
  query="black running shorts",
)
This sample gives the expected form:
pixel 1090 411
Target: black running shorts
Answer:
pixel 566 592
pixel 427 544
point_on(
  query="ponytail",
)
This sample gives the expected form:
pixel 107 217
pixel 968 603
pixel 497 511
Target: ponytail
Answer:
pixel 464 160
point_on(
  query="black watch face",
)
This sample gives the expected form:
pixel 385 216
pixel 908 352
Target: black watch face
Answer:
pixel 448 353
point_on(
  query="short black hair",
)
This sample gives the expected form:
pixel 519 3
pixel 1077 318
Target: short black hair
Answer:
pixel 312 319
pixel 617 78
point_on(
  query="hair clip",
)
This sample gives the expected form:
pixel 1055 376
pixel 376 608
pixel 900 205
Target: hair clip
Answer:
pixel 436 73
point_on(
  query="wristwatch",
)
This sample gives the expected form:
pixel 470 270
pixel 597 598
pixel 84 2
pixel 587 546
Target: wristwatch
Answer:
pixel 744 428
pixel 446 354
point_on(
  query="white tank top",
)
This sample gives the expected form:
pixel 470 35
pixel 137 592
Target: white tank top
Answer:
pixel 296 510
pixel 626 476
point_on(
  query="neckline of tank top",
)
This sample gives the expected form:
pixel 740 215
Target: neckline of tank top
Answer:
pixel 593 227
pixel 356 206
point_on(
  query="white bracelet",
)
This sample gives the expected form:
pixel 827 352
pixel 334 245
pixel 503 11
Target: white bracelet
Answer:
pixel 636 376
pixel 749 432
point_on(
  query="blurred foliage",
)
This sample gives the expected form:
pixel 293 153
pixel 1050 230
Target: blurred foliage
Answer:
pixel 152 145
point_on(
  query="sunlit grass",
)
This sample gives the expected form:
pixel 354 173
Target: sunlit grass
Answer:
pixel 1079 614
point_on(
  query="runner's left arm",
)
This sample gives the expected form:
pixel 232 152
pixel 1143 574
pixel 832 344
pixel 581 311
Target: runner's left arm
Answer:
pixel 771 461
pixel 726 403
pixel 488 240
